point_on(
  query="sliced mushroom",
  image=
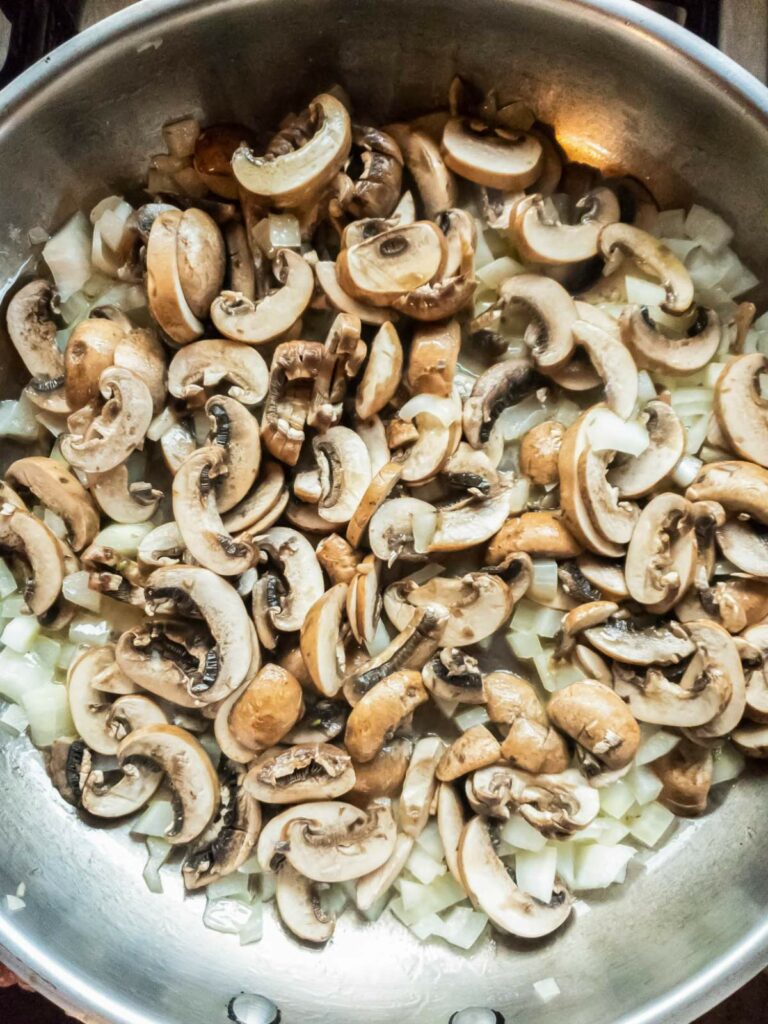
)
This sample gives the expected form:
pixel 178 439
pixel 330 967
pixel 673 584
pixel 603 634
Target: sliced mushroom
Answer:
pixel 432 359
pixel 400 260
pixel 122 501
pixel 497 158
pixel 542 237
pixel 33 330
pixel 453 288
pixel 188 773
pixel 614 519
pixel 343 355
pixel 653 350
pixel 741 411
pixel 479 604
pixel 733 604
pixel 502 385
pixel 599 722
pixel 313 771
pixel 195 508
pixel 321 644
pixel 198 591
pixel 552 313
pixel 90 351
pixel 23 534
pixel 720 656
pixel 435 439
pixel 377 492
pixel 635 476
pixel 236 430
pixel 453 675
pixel 756 637
pixel 737 486
pixel 391 530
pixel 201 260
pixel 435 183
pixel 614 365
pixel 629 642
pixel 166 659
pixel 118 429
pixel 686 775
pixel 131 712
pixel 411 648
pixel 450 822
pixel 267 709
pixel 531 743
pixel 744 543
pixel 59 490
pixel 384 774
pixel 206 364
pixel 364 600
pixel 539 534
pixel 381 377
pixel 116 794
pixel 652 256
pixel 297 168
pixel 255 322
pixel 375 885
pixel 268 499
pixel 476 748
pixel 89 708
pixel 297 579
pixel 377 189
pixel 492 890
pixel 162 546
pixel 335 296
pixel 379 713
pixel 662 551
pixel 338 558
pixel 470 523
pixel 167 301
pixel 345 473
pixel 295 366
pixel 420 785
pixel 539 450
pixel 751 740
pixel 300 908
pixel 230 839
pixel 606 577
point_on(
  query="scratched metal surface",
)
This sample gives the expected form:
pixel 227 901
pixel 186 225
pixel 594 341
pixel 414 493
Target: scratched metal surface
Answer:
pixel 693 923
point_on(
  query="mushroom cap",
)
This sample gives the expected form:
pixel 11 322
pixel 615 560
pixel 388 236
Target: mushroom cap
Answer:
pixel 32 329
pixel 614 519
pixel 541 534
pixel 470 524
pixel 90 350
pixel 502 385
pixel 652 256
pixel 498 159
pixel 23 533
pixel 267 709
pixel 653 350
pixel 492 890
pixel 686 775
pixel 539 450
pixel 553 313
pixel 188 773
pixel 59 490
pixel 475 748
pixel 598 720
pixel 737 486
pixel 205 364
pixel 432 359
pixel 337 298
pixel 378 714
pixel 295 175
pixel 393 263
pixel 106 797
pixel 741 411
pixel 201 258
pixel 312 771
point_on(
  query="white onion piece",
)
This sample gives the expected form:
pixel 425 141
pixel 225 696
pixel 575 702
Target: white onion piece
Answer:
pixel 47 651
pixel 598 866
pixel 14 903
pixel 517 420
pixel 547 989
pixel 124 538
pixel 424 868
pixel 518 494
pixel 8 584
pixel 524 645
pixel 655 744
pixel 670 224
pixel 423 525
pixel 543 585
pixel 651 824
pixel 535 872
pixel 707 228
pixel 681 247
pixel 644 293
pixel 380 639
pixel 696 431
pixel 159 851
pixel 429 840
pixel 90 631
pixel 518 833
pixel 421 900
pixel 236 884
pixel 492 275
pixel 686 471
pixel 463 926
pixel 14 720
pixel 229 916
pixel 47 708
pixel 445 410
pixel 20 633
pixel 646 389
pixel 617 799
pixel 76 590
pixel 608 432
pixel 645 784
pixel 21 673
pixel 729 764
pixel 472 716
pixel 156 820
pixel 68 255
pixel 18 420
pixel 13 606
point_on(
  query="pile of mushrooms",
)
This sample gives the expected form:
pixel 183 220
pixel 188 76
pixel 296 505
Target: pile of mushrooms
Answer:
pixel 336 532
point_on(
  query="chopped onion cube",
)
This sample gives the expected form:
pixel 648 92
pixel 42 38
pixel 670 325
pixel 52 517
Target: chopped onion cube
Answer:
pixel 535 872
pixel 159 851
pixel 21 633
pixel 156 820
pixel 423 867
pixel 729 764
pixel 518 494
pixel 14 903
pixel 608 432
pixel 670 224
pixel 644 293
pixel 429 840
pixel 645 784
pixel 696 432
pixel 471 717
pixel 47 708
pixel 68 255
pixel 14 720
pixel 90 631
pixel 21 673
pixel 617 798
pixel 228 915
pixel 493 274
pixel 707 228
pixel 524 645
pixel 284 231
pixel 8 584
pixel 76 590
pixel 462 927
pixel 599 866
pixel 236 884
pixel 423 525
pixel 253 929
pixel 681 247
pixel 651 823
pixel 420 900
pixel 655 745
pixel 522 836
pixel 544 580
pixel 268 887
pixel 13 606
pixel 380 639
pixel 517 420
pixel 250 866
pixel 646 389
pixel 426 927
pixel 686 471
pixel 566 862
pixel 124 538
pixel 18 420
pixel 66 655
pixel 547 989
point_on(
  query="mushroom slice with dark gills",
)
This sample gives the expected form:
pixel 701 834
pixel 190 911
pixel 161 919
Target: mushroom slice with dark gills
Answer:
pixel 32 329
pixel 504 384
pixel 59 490
pixel 411 648
pixel 741 411
pixel 196 511
pixel 345 473
pixel 291 579
pixel 635 476
pixel 191 590
pixel 256 322
pixel 653 350
pixel 188 772
pixel 633 643
pixel 113 793
pixel 213 362
pixel 453 675
pixel 121 500
pixel 618 241
pixel 300 907
pixel 479 604
pixel 449 293
pixel 235 429
pixel 557 805
pixel 386 267
pixel 264 505
pixel 26 537
pixel 119 427
pixel 89 707
pixel 344 353
pixel 377 189
pixel 295 365
pixel 323 721
pixel 720 657
pixel 492 890
pixel 313 771
pixel 542 237
pixel 661 557
pixel 229 840
pixel 552 314
pixel 132 711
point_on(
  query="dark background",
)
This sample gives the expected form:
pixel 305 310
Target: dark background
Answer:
pixel 749 1006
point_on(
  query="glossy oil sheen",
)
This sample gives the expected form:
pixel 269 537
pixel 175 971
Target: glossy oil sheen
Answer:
pixel 623 89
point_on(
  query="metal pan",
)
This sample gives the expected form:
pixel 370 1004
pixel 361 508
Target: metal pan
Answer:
pixel 625 90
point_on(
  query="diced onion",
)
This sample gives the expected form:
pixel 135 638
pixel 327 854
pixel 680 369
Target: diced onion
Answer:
pixel 543 585
pixel 180 136
pixel 598 866
pixel 48 651
pixel 471 717
pixel 617 799
pixel 651 824
pixel 608 432
pixel 462 927
pixel 547 989
pixel 518 494
pixel 47 708
pixel 8 584
pixel 22 673
pixel 156 820
pixel 423 526
pixel 253 929
pixel 429 840
pixel 729 764
pixel 707 228
pixel 235 884
pixel 162 423
pixel 644 293
pixel 686 471
pixel 159 852
pixel 646 389
pixel 20 633
pixel 670 224
pixel 14 720
pixel 13 606
pixel 268 887
pixel 426 927
pixel 566 863
pixel 421 900
pixel 522 836
pixel 645 784
pixel 68 255
pixel 493 275
pixel 696 431
pixel 18 420
pixel 250 866
pixel 90 631
pixel 76 590
pixel 535 872
pixel 692 401
pixel 228 915
pixel 517 420
pixel 424 868
pixel 445 410
pixel 524 645
pixel 379 641
pixel 681 247
pixel 14 903
pixel 284 231
pixel 655 745
pixel 124 538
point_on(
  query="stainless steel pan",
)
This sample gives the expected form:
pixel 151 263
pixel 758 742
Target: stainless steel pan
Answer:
pixel 624 89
